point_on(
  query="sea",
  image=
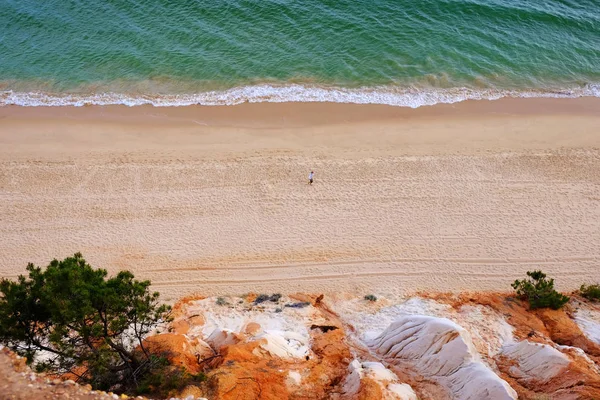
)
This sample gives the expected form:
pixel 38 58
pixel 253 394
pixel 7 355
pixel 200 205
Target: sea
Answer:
pixel 222 52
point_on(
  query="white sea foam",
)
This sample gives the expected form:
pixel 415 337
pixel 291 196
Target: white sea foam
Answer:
pixel 393 96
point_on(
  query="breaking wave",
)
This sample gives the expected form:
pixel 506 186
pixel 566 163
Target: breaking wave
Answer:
pixel 393 96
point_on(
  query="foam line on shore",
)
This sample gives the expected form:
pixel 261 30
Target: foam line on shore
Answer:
pixel 393 96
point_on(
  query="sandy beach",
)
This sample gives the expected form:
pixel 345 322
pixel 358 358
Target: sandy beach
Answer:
pixel 214 200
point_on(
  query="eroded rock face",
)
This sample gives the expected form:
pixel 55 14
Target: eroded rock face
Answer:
pixel 180 350
pixel 373 381
pixel 586 315
pixel 442 351
pixel 535 361
pixel 221 338
pixel 252 370
pixel 329 366
pixel 565 331
pixel 269 349
pixel 471 346
pixel 245 375
pixel 286 345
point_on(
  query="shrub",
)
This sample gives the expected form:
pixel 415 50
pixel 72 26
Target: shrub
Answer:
pixel 539 291
pixel 82 322
pixel 370 297
pixel 265 297
pixel 301 304
pixel 275 297
pixel 591 292
pixel 221 301
pixel 165 380
pixel 261 298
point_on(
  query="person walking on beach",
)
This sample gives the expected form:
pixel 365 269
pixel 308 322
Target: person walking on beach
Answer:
pixel 310 177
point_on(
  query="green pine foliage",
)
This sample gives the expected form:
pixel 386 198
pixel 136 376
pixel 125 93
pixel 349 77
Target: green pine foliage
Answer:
pixel 164 380
pixel 539 291
pixel 591 292
pixel 71 318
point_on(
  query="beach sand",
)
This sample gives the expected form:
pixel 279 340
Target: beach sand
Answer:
pixel 214 200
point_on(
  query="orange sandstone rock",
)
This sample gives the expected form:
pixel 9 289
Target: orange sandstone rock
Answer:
pixel 242 374
pixel 196 320
pixel 251 297
pixel 252 328
pixel 369 390
pixel 180 326
pixel 578 381
pixel 175 347
pixel 179 308
pixel 249 382
pixel 525 324
pixel 331 366
pixel 563 330
pixel 191 390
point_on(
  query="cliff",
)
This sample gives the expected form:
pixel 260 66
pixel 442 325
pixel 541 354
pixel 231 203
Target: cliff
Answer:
pixel 468 346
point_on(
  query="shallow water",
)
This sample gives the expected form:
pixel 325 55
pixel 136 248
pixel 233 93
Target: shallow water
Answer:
pixel 402 52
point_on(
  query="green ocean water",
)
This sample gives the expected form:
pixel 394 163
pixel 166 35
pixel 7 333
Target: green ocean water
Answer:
pixel 404 52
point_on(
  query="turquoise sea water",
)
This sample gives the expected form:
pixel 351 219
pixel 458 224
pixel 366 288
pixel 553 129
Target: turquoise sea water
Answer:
pixel 403 52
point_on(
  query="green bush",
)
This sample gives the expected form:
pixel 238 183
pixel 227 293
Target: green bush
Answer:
pixel 164 380
pixel 83 323
pixel 370 297
pixel 539 291
pixel 221 301
pixel 261 298
pixel 275 297
pixel 591 292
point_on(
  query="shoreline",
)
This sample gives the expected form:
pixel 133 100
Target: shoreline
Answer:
pixel 465 128
pixel 269 92
pixel 213 200
pixel 305 113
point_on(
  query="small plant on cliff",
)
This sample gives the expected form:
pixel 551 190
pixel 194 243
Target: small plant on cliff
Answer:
pixel 70 319
pixel 221 301
pixel 165 380
pixel 261 298
pixel 539 291
pixel 591 292
pixel 275 297
pixel 371 297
